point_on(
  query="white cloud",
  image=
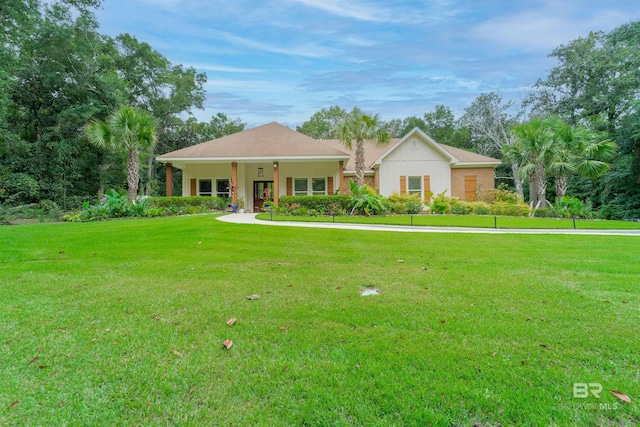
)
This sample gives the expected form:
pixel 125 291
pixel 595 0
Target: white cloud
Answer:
pixel 543 29
pixel 223 69
pixel 309 50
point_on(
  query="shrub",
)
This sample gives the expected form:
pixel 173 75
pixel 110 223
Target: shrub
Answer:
pixel 177 204
pixel 16 188
pixel 458 207
pixel 441 204
pixel 509 209
pixel 331 205
pixel 549 212
pixel 407 203
pixel 480 208
pixel 500 194
pixel 570 207
pixel 366 200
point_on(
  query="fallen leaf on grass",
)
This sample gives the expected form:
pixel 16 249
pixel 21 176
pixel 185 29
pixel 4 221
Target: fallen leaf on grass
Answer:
pixel 621 396
pixel 191 391
pixel 400 260
pixel 523 362
pixel 252 297
pixel 283 328
pixel 443 321
pixel 14 404
pixel 177 353
pixel 33 360
pixel 544 345
pixel 227 344
pixel 494 353
pixel 231 321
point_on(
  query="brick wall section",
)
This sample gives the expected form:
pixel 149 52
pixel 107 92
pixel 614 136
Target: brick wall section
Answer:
pixel 485 180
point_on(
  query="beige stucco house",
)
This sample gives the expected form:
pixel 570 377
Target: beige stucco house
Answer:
pixel 272 160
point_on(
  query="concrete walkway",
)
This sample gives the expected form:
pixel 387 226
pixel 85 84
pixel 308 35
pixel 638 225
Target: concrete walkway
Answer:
pixel 250 218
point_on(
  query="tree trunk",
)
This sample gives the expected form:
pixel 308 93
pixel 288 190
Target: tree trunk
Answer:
pixel 133 174
pixel 533 190
pixel 150 172
pixel 517 180
pixel 541 184
pixel 359 162
pixel 562 186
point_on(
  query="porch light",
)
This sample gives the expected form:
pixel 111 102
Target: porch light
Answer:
pixel 260 171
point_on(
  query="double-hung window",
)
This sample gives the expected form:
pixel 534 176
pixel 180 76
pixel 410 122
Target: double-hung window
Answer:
pixel 415 185
pixel 223 188
pixel 204 187
pixel 300 186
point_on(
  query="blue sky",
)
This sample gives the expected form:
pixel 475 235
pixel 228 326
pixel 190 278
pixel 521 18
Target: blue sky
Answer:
pixel 283 60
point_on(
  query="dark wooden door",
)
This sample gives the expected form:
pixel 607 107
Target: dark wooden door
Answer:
pixel 262 192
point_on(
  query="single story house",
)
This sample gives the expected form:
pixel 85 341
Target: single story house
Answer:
pixel 268 161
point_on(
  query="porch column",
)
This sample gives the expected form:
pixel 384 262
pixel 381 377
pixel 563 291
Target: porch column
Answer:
pixel 341 169
pixel 276 182
pixel 234 182
pixel 169 178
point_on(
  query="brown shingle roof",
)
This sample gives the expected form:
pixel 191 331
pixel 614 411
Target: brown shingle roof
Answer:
pixel 371 152
pixel 272 140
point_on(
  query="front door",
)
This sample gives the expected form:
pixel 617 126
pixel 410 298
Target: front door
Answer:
pixel 262 192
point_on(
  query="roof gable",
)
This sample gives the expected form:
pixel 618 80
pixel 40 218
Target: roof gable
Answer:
pixel 416 132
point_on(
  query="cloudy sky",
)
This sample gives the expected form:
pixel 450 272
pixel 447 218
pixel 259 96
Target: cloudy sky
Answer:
pixel 283 60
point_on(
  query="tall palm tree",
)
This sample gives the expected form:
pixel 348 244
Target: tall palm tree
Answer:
pixel 579 151
pixel 361 127
pixel 534 147
pixel 128 129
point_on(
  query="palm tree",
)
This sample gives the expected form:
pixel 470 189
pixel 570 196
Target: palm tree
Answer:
pixel 127 129
pixel 579 151
pixel 361 127
pixel 533 149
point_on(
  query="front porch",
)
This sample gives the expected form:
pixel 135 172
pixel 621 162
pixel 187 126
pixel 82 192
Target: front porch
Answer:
pixel 258 182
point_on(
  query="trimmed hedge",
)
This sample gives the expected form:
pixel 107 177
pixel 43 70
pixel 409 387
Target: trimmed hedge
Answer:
pixel 334 204
pixel 189 202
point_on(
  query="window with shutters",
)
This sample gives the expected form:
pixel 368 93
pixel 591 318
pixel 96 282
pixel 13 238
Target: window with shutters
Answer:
pixel 300 186
pixel 318 186
pixel 414 185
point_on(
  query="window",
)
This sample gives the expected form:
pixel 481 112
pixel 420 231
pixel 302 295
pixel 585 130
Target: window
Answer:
pixel 300 186
pixel 222 188
pixel 204 187
pixel 415 185
pixel 319 186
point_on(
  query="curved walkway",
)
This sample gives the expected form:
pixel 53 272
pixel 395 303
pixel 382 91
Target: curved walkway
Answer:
pixel 250 218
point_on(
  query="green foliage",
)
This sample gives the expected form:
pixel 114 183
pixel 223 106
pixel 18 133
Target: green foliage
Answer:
pixel 117 205
pixel 571 207
pixel 324 123
pixel 549 212
pixel 366 201
pixel 509 209
pixel 500 194
pixel 440 204
pixel 407 203
pixel 329 205
pixel 17 188
pixel 181 204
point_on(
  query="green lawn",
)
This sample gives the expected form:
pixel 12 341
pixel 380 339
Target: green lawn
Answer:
pixel 122 323
pixel 465 221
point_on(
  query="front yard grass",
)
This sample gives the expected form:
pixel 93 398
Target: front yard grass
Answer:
pixel 122 323
pixel 476 221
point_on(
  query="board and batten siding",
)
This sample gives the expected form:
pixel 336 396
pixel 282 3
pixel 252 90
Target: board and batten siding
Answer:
pixel 414 159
